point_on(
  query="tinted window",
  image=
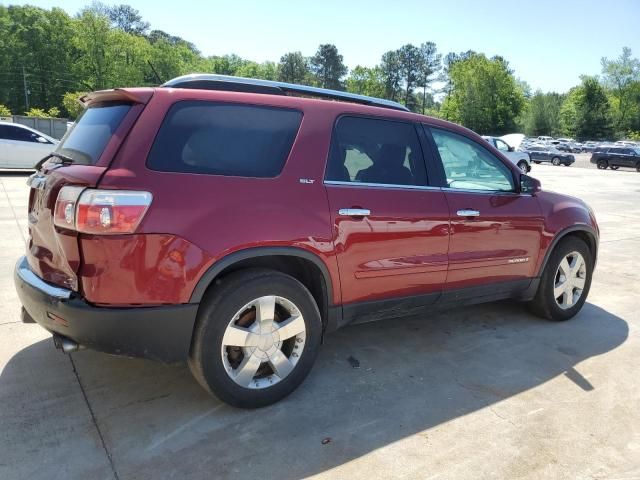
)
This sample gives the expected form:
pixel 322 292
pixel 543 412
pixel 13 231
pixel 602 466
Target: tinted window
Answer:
pixel 224 139
pixel 367 150
pixel 8 132
pixel 90 134
pixel 469 166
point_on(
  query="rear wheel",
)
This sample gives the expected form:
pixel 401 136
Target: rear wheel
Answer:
pixel 256 338
pixel 565 282
pixel 603 164
pixel 555 161
pixel 522 165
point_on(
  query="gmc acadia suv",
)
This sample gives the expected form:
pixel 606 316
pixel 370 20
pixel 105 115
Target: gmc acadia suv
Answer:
pixel 232 223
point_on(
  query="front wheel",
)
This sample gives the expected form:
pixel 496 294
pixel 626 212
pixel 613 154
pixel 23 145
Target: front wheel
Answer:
pixel 565 282
pixel 522 165
pixel 603 164
pixel 555 161
pixel 256 338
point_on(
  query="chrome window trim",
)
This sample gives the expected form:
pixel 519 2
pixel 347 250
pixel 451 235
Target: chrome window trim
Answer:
pixel 380 185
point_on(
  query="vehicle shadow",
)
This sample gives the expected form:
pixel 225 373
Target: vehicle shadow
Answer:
pixel 413 375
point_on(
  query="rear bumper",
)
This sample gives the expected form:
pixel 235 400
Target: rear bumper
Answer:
pixel 159 333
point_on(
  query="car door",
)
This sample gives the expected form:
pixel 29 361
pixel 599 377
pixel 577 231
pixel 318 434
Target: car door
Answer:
pixel 23 150
pixel 4 158
pixel 496 232
pixel 390 228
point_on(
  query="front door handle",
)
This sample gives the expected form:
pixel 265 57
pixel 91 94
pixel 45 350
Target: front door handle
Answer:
pixel 354 212
pixel 468 213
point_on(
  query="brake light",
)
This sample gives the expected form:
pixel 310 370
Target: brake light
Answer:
pixel 101 212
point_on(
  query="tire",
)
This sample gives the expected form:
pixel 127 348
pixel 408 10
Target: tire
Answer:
pixel 522 165
pixel 537 162
pixel 603 164
pixel 232 308
pixel 614 167
pixel 638 167
pixel 555 161
pixel 545 304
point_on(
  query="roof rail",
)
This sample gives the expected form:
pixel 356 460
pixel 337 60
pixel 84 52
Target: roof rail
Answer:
pixel 209 81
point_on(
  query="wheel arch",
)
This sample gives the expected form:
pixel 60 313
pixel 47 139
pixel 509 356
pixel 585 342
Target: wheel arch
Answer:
pixel 584 232
pixel 304 266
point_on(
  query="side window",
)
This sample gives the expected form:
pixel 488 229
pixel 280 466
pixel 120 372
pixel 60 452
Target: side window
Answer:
pixel 16 133
pixel 224 139
pixel 502 146
pixel 366 150
pixel 468 166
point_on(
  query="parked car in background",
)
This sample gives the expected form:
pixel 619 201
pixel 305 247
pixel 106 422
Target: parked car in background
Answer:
pixel 201 223
pixel 22 146
pixel 616 157
pixel 544 138
pixel 589 146
pixel 563 147
pixel 548 153
pixel 521 159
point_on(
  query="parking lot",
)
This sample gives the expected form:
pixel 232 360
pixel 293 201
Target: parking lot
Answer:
pixel 480 392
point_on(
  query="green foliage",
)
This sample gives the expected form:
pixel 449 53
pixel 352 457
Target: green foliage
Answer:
pixel 4 111
pixel 366 81
pixel 484 95
pixel 294 68
pixel 586 113
pixel 622 78
pixel 634 136
pixel 328 68
pixel 71 103
pixel 41 113
pixel 542 115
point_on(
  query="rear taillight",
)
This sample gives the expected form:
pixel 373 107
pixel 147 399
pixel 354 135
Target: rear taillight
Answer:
pixel 102 212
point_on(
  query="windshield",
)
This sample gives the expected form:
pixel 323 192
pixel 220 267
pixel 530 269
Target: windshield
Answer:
pixel 88 137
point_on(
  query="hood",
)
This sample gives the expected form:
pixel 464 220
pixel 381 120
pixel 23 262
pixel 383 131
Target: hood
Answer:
pixel 513 139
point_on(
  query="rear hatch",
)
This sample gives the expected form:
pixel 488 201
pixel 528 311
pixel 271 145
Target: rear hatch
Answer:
pixel 81 158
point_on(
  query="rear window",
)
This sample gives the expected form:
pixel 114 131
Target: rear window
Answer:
pixel 90 134
pixel 224 139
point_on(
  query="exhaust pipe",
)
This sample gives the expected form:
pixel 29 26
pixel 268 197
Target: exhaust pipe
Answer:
pixel 65 344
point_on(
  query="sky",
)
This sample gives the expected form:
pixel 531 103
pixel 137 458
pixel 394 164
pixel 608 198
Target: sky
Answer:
pixel 548 43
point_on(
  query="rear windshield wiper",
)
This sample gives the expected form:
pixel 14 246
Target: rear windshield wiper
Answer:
pixel 63 159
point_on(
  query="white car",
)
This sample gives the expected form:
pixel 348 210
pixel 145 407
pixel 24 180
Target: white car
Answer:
pixel 508 148
pixel 23 147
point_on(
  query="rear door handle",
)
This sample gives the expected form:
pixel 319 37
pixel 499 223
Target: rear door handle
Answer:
pixel 468 213
pixel 354 212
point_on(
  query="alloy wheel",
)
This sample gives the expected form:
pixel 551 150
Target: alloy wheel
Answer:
pixel 263 342
pixel 570 279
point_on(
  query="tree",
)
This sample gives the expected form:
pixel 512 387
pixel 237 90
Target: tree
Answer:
pixel 127 19
pixel 71 103
pixel 430 65
pixel 328 67
pixel 484 95
pixel 366 81
pixel 622 77
pixel 586 113
pixel 410 64
pixel 542 116
pixel 4 111
pixel 390 68
pixel 293 68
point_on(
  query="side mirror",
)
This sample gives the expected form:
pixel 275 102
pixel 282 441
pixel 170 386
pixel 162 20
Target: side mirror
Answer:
pixel 529 185
pixel 42 140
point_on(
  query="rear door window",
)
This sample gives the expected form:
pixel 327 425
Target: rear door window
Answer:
pixel 9 132
pixel 224 139
pixel 376 151
pixel 90 134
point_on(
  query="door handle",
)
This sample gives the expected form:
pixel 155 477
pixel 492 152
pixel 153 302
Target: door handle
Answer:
pixel 468 213
pixel 354 212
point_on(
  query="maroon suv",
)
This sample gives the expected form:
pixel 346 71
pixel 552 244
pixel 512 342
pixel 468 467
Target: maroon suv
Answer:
pixel 232 223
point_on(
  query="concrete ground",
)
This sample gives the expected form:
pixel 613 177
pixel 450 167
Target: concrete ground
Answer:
pixel 482 392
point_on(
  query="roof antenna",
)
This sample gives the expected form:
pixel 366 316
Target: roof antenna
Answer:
pixel 160 82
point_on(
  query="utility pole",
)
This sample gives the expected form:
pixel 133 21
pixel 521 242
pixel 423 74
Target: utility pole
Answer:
pixel 26 92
